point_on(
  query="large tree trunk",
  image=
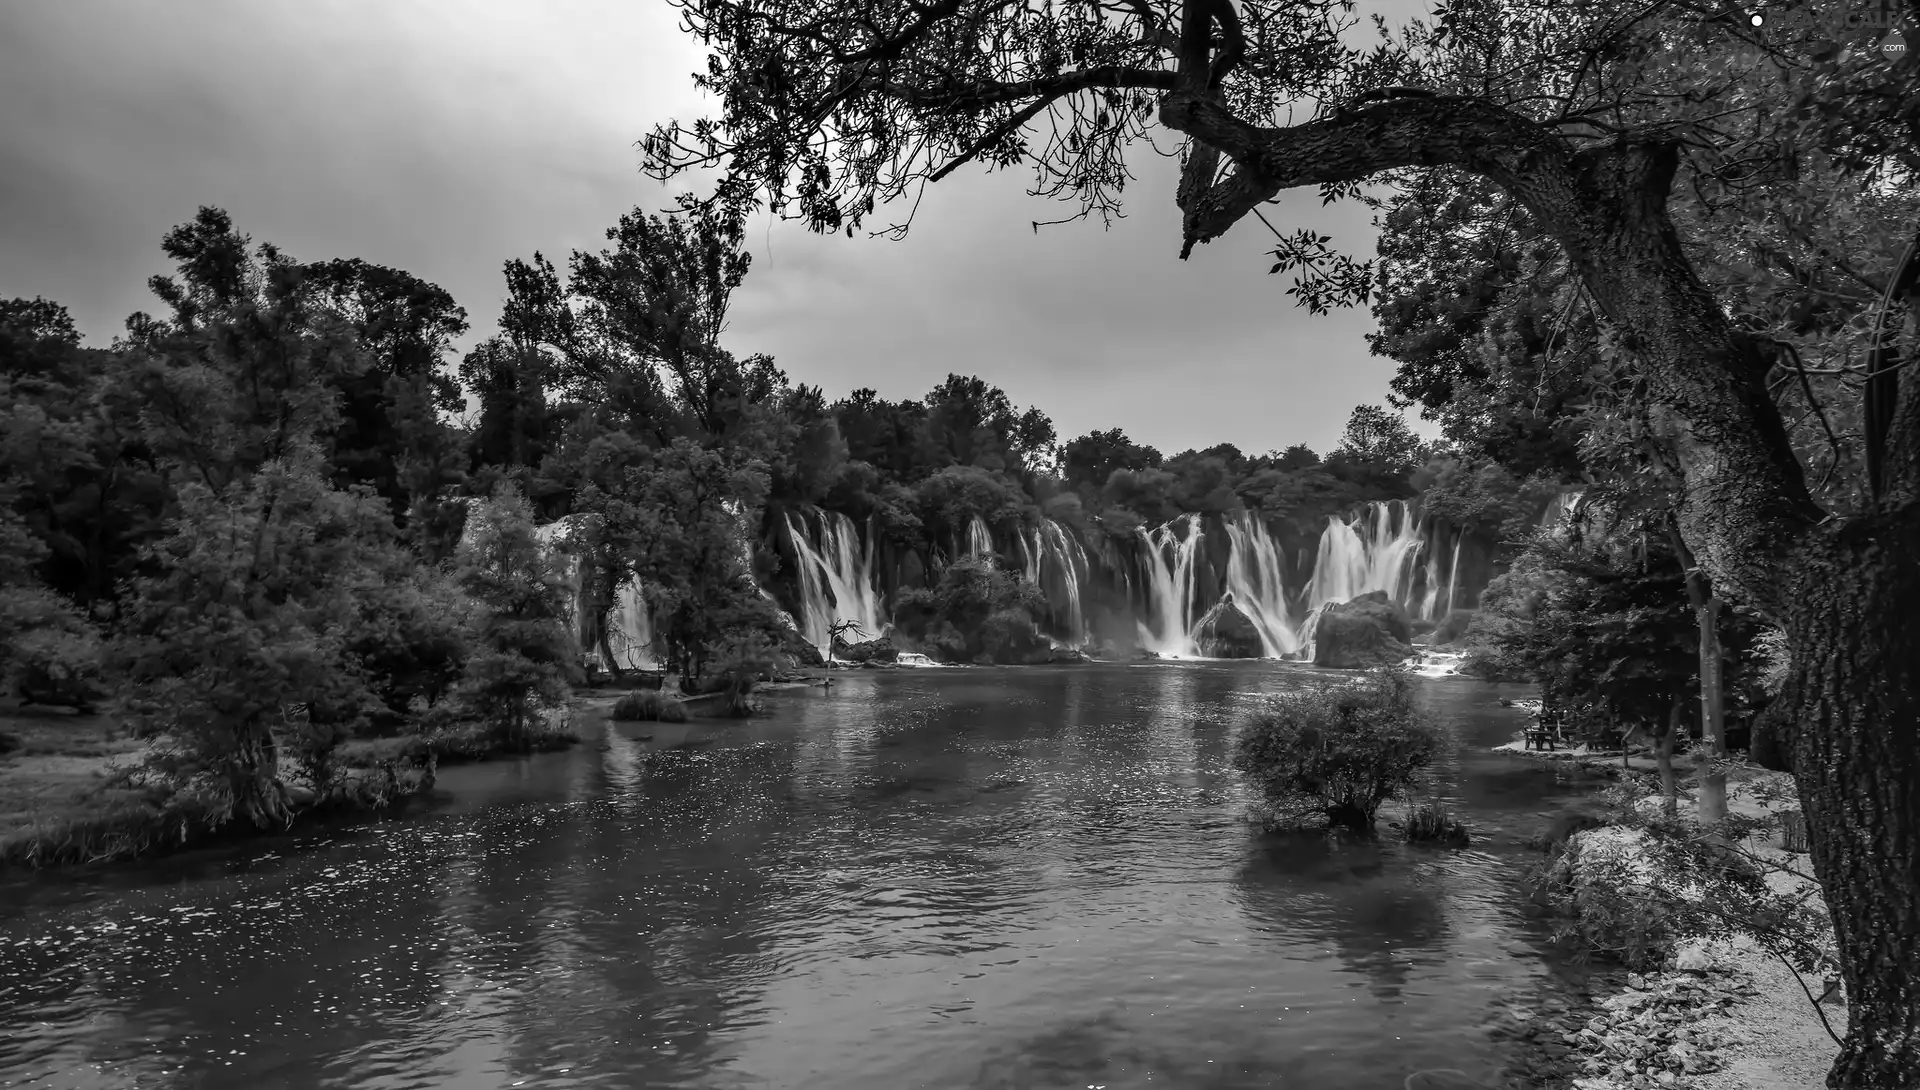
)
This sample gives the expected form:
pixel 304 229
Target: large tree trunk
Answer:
pixel 1854 699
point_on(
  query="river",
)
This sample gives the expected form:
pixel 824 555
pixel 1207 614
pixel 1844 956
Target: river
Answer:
pixel 1019 879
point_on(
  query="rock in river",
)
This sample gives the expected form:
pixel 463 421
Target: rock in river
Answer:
pixel 1371 630
pixel 1227 633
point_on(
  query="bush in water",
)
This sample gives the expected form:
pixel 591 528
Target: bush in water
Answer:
pixel 1432 823
pixel 650 706
pixel 1336 751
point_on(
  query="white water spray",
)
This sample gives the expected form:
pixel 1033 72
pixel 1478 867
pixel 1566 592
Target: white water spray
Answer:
pixel 1361 554
pixel 1052 551
pixel 836 580
pixel 979 539
pixel 1256 575
pixel 1170 551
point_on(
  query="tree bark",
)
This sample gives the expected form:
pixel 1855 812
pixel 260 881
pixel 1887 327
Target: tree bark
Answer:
pixel 1713 703
pixel 1853 697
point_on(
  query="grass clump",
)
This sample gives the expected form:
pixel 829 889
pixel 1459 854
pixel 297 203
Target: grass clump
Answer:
pixel 1335 753
pixel 1432 823
pixel 649 707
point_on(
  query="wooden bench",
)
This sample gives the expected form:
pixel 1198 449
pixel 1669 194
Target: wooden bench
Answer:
pixel 1543 734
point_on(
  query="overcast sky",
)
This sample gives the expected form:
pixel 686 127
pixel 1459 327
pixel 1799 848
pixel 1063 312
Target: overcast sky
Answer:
pixel 446 136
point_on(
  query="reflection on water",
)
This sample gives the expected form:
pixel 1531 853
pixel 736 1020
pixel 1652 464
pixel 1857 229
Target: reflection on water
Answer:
pixel 991 879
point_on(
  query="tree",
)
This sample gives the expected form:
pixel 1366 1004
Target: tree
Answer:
pixel 70 437
pixel 684 520
pixel 975 612
pixel 245 371
pixel 1377 440
pixel 1087 462
pixel 1336 751
pixel 1584 115
pixel 526 654
pixel 239 646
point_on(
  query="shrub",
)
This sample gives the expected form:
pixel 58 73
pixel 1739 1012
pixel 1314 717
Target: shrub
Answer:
pixel 1336 751
pixel 1637 888
pixel 1432 823
pixel 744 660
pixel 650 706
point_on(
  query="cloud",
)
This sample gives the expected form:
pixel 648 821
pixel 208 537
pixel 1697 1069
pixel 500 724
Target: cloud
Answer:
pixel 446 136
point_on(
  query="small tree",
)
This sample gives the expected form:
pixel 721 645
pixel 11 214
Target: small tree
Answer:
pixel 526 653
pixel 742 659
pixel 1336 751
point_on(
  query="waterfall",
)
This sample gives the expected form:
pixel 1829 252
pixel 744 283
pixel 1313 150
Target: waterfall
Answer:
pixel 979 539
pixel 630 630
pixel 629 624
pixel 836 580
pixel 743 555
pixel 1362 554
pixel 1430 604
pixel 1049 548
pixel 1256 575
pixel 1453 571
pixel 1170 557
pixel 1560 510
pixel 1439 597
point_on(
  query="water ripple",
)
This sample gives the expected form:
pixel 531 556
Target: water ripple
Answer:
pixel 980 880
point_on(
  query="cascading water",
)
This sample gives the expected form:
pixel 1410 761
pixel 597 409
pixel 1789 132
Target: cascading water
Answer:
pixel 1256 574
pixel 1453 575
pixel 629 623
pixel 979 539
pixel 630 630
pixel 1170 551
pixel 836 580
pixel 1362 554
pixel 1056 563
pixel 1560 511
pixel 1439 600
pixel 743 554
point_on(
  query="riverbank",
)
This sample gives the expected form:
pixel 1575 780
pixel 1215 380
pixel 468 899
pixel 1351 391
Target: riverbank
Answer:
pixel 65 800
pixel 66 797
pixel 1723 1015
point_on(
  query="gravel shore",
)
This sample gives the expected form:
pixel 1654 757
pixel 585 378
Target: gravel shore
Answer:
pixel 1725 1016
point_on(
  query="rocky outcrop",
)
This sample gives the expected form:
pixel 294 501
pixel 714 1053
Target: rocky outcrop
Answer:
pixel 880 650
pixel 1452 627
pixel 1227 633
pixel 1371 630
pixel 799 650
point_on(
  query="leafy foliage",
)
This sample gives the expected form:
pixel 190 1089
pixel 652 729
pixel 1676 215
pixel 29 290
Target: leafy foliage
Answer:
pixel 975 612
pixel 525 652
pixel 238 649
pixel 1336 751
pixel 1645 883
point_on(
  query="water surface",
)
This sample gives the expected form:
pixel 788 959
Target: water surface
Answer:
pixel 977 878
